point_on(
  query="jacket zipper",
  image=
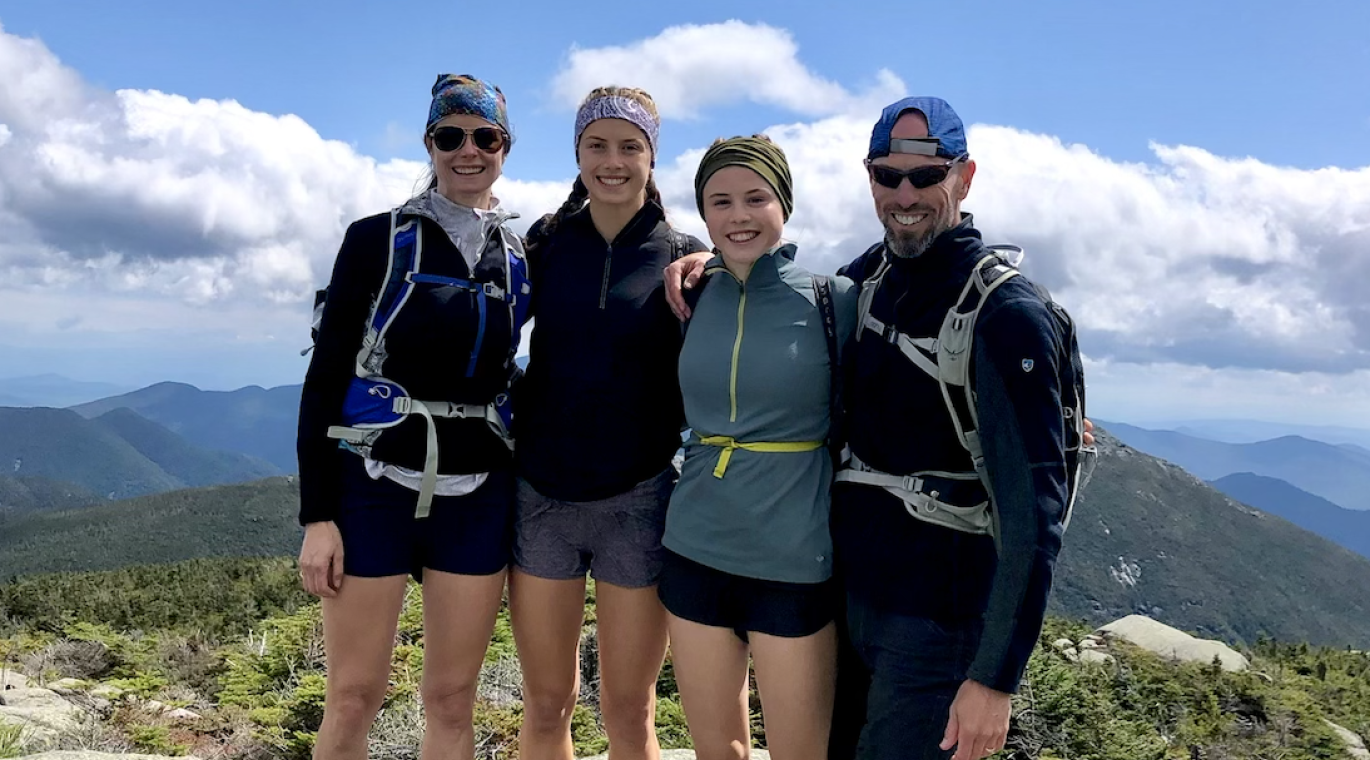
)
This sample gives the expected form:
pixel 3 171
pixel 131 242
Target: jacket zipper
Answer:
pixel 737 350
pixel 604 287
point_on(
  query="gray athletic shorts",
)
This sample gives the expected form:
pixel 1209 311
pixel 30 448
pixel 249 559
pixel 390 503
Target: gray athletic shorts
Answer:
pixel 617 540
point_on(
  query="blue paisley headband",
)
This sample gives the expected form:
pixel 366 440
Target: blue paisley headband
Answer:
pixel 619 107
pixel 464 94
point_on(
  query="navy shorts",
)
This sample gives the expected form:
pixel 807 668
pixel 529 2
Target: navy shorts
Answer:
pixel 466 535
pixel 703 595
pixel 616 540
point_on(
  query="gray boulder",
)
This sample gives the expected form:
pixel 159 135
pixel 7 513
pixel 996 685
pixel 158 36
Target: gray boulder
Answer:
pixel 105 691
pixel 1095 657
pixel 1165 641
pixel 1355 748
pixel 10 679
pixel 41 712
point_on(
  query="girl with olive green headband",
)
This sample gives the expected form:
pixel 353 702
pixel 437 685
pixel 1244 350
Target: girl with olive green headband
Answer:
pixel 750 563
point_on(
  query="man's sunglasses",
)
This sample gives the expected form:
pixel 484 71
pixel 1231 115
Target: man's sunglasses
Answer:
pixel 448 139
pixel 920 177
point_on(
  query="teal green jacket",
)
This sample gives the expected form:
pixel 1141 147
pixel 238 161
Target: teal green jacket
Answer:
pixel 754 368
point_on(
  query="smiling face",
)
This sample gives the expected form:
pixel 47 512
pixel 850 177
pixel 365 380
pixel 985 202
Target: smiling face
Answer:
pixel 615 161
pixel 913 217
pixel 743 214
pixel 465 175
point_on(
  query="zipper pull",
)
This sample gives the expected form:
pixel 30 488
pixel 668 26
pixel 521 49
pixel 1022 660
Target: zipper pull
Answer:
pixel 604 286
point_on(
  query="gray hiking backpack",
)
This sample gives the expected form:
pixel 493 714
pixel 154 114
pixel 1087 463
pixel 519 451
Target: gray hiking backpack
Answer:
pixel 947 358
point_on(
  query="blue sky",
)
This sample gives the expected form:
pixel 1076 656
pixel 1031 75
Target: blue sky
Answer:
pixel 1283 82
pixel 1191 179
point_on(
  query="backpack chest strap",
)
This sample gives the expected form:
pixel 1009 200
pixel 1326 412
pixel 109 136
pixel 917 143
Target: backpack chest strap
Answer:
pixel 916 350
pixel 488 289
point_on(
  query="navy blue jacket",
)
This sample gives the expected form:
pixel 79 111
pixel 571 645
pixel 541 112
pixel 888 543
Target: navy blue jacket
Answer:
pixel 899 423
pixel 599 408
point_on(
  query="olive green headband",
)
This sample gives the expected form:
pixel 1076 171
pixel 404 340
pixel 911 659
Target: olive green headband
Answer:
pixel 761 156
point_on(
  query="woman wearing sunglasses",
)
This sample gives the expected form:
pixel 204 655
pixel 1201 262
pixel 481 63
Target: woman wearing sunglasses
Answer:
pixel 750 557
pixel 405 463
pixel 599 423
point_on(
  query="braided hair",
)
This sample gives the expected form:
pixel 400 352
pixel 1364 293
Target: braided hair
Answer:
pixel 580 194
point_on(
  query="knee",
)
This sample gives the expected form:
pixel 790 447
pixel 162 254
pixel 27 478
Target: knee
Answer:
pixel 548 709
pixel 449 705
pixel 626 715
pixel 356 703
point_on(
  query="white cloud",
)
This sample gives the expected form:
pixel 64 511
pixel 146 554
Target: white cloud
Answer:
pixel 152 215
pixel 147 191
pixel 690 68
pixel 1192 258
pixel 1151 393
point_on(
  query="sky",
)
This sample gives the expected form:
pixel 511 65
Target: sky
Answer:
pixel 1191 180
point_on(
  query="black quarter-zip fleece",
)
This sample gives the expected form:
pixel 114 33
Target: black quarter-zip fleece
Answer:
pixel 599 408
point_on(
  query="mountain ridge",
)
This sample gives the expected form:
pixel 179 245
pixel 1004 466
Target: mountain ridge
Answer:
pixel 1345 527
pixel 252 420
pixel 1147 537
pixel 1340 475
pixel 109 455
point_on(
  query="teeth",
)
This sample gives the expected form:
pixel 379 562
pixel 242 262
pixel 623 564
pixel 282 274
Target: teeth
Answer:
pixel 742 237
pixel 613 181
pixel 909 220
pixel 469 169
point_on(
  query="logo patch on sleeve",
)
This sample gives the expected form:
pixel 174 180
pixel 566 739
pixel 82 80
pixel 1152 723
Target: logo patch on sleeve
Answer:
pixel 1028 364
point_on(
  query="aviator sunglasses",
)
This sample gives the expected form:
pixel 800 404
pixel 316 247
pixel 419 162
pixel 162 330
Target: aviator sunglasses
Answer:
pixel 448 139
pixel 920 177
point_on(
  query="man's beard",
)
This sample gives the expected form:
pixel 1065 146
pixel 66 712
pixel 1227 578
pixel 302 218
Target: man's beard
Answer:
pixel 909 245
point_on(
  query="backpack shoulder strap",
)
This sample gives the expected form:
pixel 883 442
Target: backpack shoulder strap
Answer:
pixel 680 248
pixel 868 287
pixel 692 300
pixel 405 256
pixel 954 342
pixel 680 244
pixel 1080 459
pixel 827 309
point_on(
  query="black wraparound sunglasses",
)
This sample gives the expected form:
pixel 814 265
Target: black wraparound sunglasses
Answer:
pixel 448 139
pixel 920 177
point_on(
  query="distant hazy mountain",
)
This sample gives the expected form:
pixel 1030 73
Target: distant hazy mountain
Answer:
pixel 245 520
pixel 191 465
pixel 254 421
pixel 1346 527
pixel 1338 474
pixel 1252 431
pixel 53 390
pixel 1356 449
pixel 1149 537
pixel 116 457
pixel 27 494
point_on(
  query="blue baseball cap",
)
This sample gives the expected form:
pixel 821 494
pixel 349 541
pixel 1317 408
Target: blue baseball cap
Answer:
pixel 946 135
